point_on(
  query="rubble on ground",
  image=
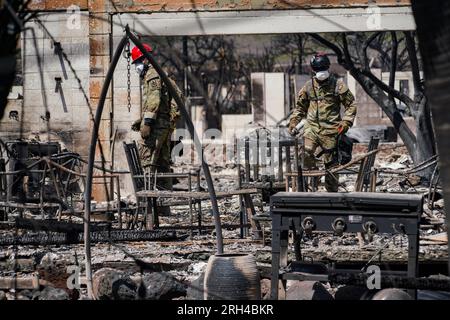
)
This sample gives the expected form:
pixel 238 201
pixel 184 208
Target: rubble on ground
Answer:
pixel 177 267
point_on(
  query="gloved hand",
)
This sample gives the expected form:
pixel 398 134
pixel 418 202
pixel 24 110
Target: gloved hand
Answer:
pixel 136 126
pixel 343 127
pixel 291 128
pixel 145 131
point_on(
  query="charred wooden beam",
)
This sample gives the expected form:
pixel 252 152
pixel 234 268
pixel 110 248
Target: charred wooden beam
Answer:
pixel 204 227
pixel 193 194
pixel 55 226
pixel 19 283
pixel 52 238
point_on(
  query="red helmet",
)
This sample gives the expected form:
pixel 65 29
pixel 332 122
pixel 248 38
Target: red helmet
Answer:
pixel 137 54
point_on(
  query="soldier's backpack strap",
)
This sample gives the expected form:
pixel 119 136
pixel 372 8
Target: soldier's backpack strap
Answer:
pixel 312 94
pixel 169 96
pixel 334 84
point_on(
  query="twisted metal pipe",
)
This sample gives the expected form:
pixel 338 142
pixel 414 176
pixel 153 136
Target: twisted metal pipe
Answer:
pixel 91 159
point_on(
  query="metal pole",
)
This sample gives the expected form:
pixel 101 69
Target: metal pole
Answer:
pixel 91 159
pixel 185 69
pixel 190 126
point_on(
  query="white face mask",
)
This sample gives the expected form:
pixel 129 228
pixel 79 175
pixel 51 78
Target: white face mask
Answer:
pixel 139 68
pixel 322 75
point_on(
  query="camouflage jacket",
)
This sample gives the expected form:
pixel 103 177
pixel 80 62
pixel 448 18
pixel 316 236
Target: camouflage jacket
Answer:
pixel 320 105
pixel 158 104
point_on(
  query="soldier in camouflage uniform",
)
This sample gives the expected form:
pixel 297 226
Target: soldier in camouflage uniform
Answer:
pixel 159 115
pixel 319 103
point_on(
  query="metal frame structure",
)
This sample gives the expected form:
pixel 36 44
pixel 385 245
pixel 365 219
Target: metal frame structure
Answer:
pixel 339 212
pixel 145 181
pixel 267 21
pixel 59 171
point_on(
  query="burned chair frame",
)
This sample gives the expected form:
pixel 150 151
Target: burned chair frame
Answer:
pixel 144 188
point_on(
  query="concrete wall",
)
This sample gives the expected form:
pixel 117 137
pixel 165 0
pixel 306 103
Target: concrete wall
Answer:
pixel 10 123
pixel 69 115
pixel 270 92
pixel 205 5
pixel 369 113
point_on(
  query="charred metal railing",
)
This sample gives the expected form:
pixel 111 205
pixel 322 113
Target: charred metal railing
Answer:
pixel 58 238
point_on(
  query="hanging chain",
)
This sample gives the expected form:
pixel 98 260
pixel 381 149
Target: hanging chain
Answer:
pixel 128 77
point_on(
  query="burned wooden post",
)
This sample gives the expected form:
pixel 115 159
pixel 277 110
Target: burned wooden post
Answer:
pixel 288 167
pixel 119 207
pixel 363 179
pixel 199 203
pixel 255 157
pixel 247 159
pixel 191 215
pixel 280 163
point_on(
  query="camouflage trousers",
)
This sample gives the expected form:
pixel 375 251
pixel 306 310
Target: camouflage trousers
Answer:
pixel 154 153
pixel 314 145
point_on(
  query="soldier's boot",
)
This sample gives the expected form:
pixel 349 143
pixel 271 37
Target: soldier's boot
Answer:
pixel 331 179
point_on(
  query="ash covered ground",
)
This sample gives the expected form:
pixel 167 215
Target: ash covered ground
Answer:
pixel 172 268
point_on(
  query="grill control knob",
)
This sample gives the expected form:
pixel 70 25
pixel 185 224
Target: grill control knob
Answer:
pixel 308 225
pixel 370 227
pixel 339 226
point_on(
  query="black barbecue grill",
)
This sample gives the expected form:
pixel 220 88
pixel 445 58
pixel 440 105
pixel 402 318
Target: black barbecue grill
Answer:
pixel 365 212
